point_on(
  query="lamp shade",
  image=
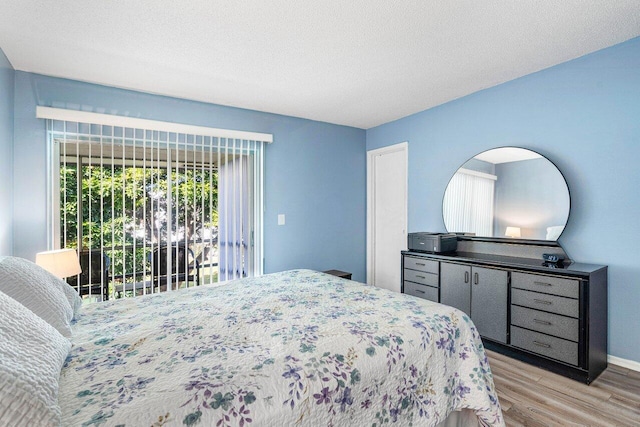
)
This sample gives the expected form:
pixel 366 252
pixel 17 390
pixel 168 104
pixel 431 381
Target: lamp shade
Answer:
pixel 512 232
pixel 61 263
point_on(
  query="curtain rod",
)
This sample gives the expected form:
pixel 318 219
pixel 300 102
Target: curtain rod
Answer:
pixel 136 123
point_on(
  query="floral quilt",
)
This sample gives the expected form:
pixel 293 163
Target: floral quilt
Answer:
pixel 297 348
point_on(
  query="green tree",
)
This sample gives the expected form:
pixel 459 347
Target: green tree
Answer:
pixel 129 207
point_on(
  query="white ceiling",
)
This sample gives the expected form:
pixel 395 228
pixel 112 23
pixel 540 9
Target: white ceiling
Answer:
pixel 354 62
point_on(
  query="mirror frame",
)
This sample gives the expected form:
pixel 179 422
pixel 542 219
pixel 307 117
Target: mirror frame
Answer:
pixel 537 242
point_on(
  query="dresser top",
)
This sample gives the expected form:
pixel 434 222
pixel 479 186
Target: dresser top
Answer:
pixel 572 268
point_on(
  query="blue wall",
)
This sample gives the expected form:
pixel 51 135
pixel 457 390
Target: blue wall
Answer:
pixel 584 115
pixel 6 154
pixel 315 172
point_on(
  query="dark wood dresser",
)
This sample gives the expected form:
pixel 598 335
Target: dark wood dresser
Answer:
pixel 550 315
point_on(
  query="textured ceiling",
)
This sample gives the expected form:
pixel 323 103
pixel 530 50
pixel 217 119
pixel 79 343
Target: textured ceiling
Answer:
pixel 358 62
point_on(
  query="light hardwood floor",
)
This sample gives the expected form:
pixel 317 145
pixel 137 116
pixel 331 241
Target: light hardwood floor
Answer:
pixel 531 396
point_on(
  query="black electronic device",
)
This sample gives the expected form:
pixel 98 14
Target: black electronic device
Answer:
pixel 432 242
pixel 553 258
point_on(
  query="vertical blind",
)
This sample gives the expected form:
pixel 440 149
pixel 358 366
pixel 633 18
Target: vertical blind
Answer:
pixel 469 202
pixel 152 210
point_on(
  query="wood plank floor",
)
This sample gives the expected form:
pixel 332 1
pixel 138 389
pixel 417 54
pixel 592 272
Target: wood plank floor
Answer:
pixel 531 396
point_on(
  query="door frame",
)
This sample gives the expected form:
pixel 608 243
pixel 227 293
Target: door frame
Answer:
pixel 371 154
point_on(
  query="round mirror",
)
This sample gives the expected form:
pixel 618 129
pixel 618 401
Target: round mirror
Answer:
pixel 507 192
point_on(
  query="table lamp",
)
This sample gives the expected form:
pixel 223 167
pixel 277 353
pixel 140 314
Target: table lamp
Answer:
pixel 61 262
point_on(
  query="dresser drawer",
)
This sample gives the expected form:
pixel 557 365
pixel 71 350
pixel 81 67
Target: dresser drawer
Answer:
pixel 421 264
pixel 551 303
pixel 421 277
pixel 549 285
pixel 552 324
pixel 421 291
pixel 545 345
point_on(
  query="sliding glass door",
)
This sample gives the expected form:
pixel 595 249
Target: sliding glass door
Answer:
pixel 153 211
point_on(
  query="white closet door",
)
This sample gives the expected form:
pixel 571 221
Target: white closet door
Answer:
pixel 386 215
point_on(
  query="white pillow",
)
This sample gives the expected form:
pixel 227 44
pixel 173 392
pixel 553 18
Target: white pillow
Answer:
pixel 31 358
pixel 38 290
pixel 75 301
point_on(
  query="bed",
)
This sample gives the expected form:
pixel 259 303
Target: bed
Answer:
pixel 297 348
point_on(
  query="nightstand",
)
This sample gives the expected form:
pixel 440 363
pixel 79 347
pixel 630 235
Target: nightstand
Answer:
pixel 339 273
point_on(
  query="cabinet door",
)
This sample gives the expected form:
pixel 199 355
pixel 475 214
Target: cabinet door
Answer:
pixel 489 292
pixel 455 286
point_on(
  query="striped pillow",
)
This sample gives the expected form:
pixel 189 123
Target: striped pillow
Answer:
pixel 31 358
pixel 38 290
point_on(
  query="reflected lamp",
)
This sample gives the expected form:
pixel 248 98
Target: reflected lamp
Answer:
pixel 512 232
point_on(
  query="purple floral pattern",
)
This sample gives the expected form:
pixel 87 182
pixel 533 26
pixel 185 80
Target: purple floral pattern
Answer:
pixel 291 348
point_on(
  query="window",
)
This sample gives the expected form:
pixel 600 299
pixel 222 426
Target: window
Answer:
pixel 152 210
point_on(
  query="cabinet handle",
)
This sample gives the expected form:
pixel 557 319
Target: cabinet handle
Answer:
pixel 466 277
pixel 542 284
pixel 475 278
pixel 542 322
pixel 420 277
pixel 540 301
pixel 541 344
pixel 421 263
pixel 418 290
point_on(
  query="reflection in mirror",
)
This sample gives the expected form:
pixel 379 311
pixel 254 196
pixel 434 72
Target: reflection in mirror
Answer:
pixel 507 192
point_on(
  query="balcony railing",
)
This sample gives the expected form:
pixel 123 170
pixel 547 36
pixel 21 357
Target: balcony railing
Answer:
pixel 139 269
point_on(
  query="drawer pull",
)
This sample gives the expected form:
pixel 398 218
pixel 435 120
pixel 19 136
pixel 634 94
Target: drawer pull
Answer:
pixel 540 301
pixel 542 322
pixel 420 277
pixel 541 344
pixel 419 291
pixel 421 264
pixel 542 284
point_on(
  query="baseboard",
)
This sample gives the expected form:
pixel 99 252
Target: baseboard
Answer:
pixel 625 363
